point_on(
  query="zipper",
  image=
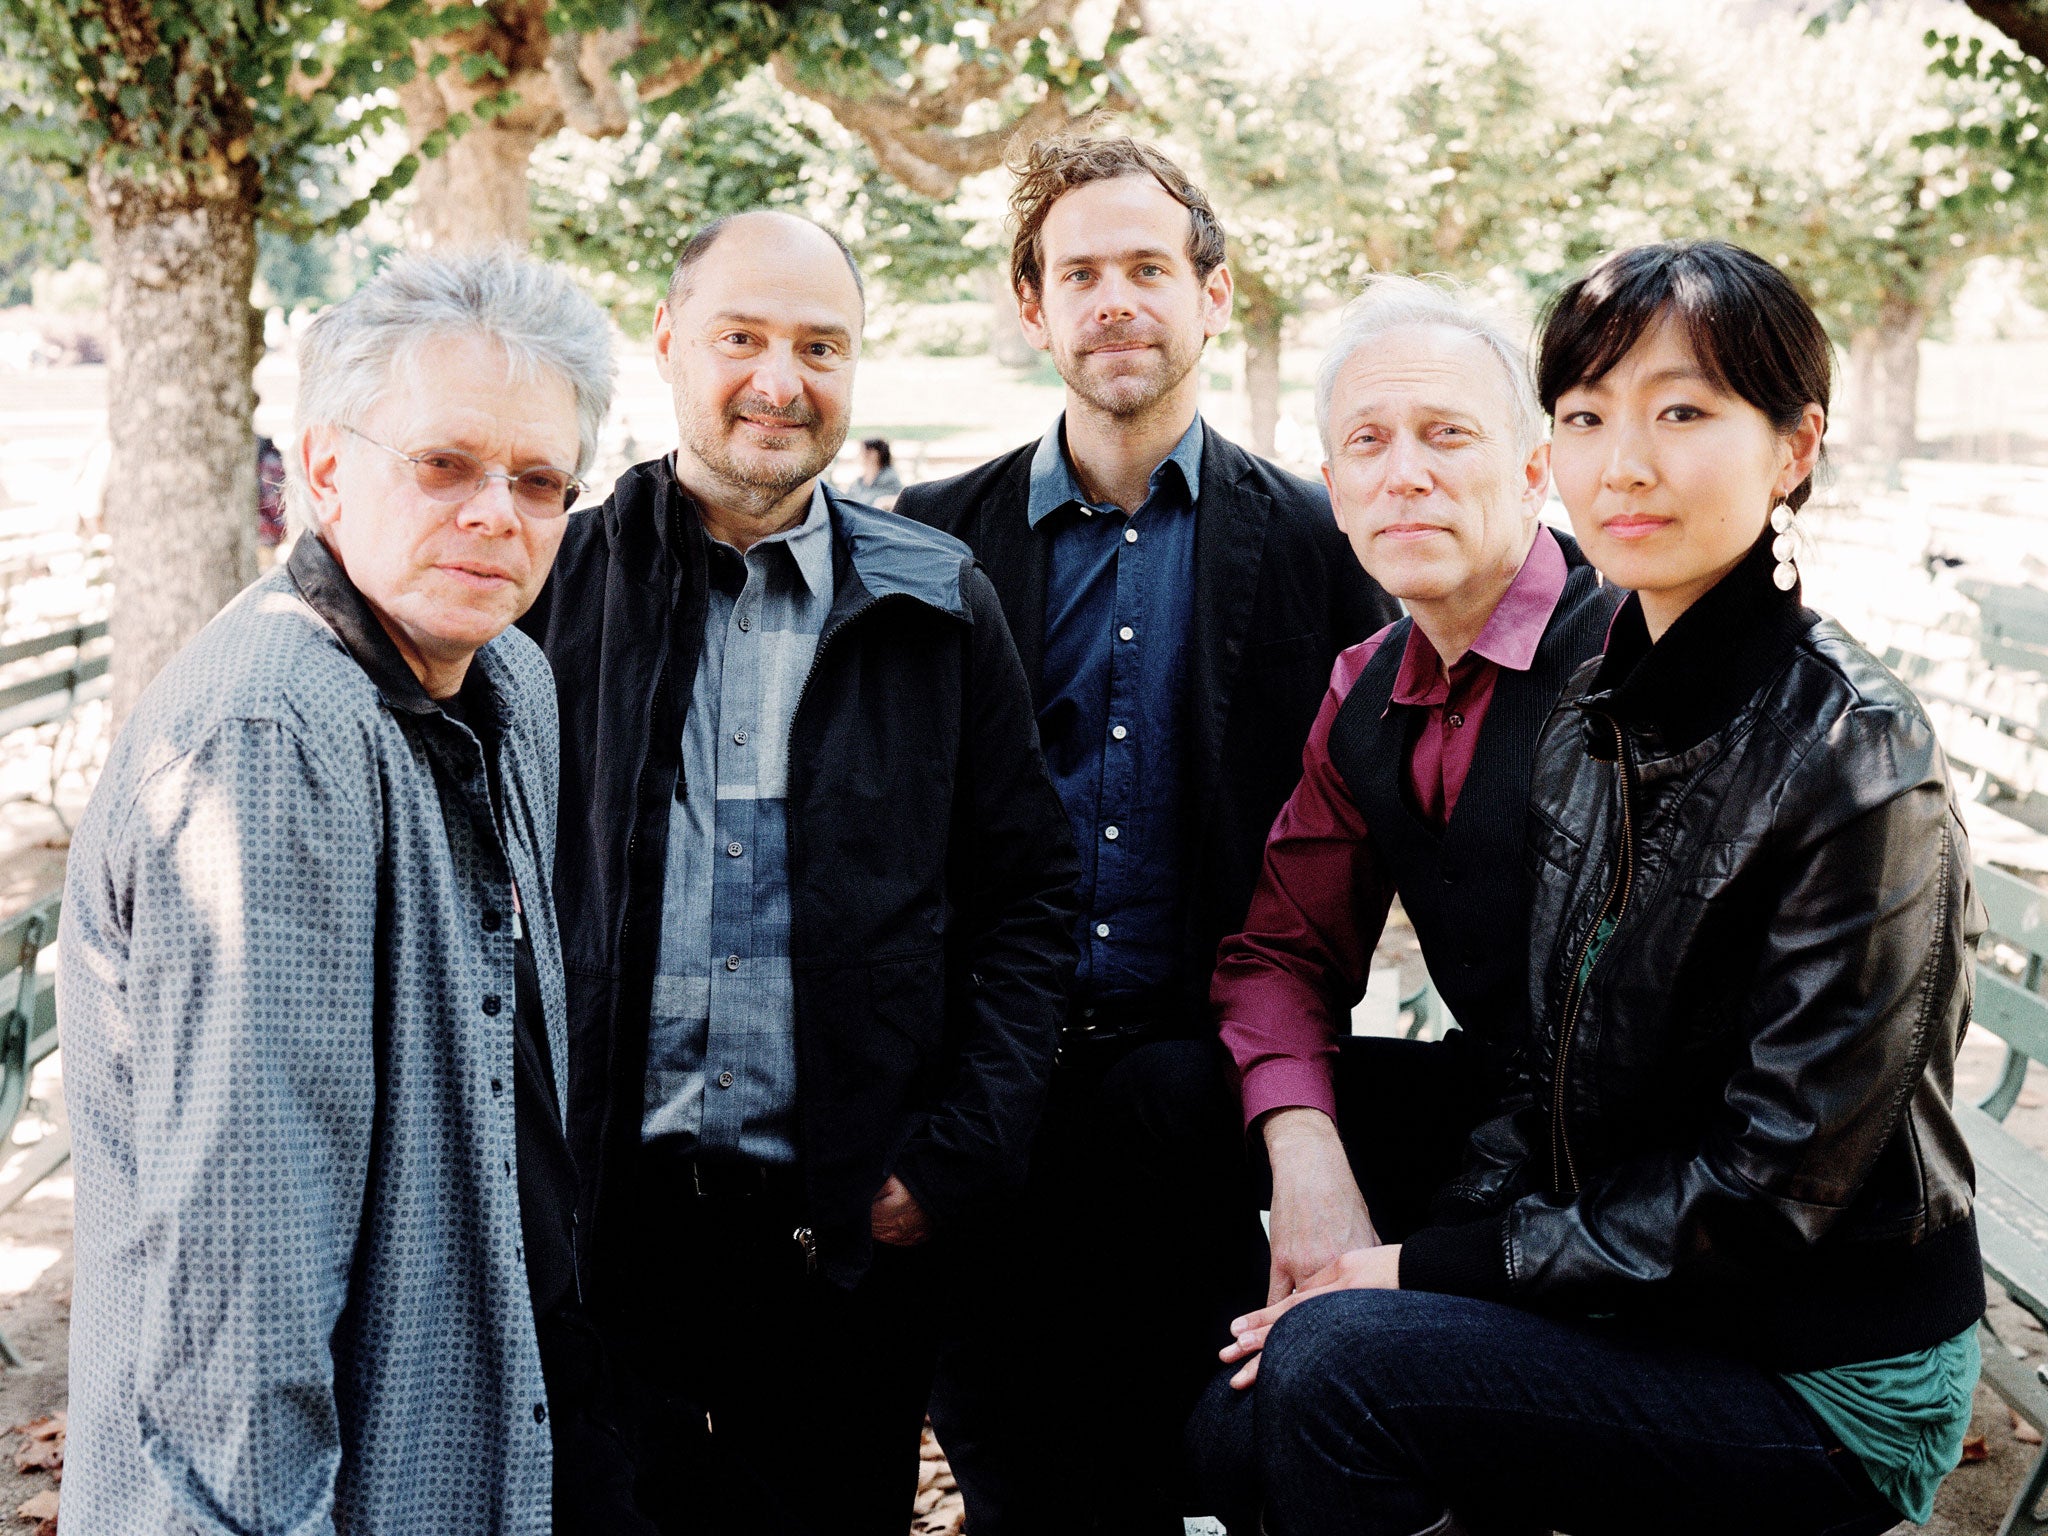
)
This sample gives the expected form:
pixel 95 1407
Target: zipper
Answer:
pixel 1564 1176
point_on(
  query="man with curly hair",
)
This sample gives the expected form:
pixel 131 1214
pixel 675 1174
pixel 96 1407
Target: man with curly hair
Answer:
pixel 1178 604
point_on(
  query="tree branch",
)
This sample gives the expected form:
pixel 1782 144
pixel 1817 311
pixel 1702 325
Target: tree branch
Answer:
pixel 2024 21
pixel 911 132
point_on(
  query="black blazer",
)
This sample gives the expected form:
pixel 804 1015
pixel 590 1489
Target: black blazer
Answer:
pixel 1278 593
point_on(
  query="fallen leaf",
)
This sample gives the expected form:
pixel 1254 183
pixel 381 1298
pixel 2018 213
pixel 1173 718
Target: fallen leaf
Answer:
pixel 1974 1448
pixel 2024 1432
pixel 48 1427
pixel 42 1506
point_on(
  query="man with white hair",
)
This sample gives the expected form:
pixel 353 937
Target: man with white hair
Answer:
pixel 311 987
pixel 1414 781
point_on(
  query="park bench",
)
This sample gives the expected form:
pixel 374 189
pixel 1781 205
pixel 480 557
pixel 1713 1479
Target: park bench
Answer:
pixel 1986 689
pixel 43 681
pixel 2012 1178
pixel 28 1034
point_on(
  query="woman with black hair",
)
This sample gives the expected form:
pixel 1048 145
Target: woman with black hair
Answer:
pixel 1713 1267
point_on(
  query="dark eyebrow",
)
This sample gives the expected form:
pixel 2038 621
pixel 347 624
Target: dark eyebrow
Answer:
pixel 831 330
pixel 1143 253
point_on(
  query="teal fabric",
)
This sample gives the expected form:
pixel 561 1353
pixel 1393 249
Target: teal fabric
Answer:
pixel 1903 1418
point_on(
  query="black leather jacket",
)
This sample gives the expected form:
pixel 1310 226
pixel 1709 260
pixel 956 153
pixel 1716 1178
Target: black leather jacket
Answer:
pixel 1751 969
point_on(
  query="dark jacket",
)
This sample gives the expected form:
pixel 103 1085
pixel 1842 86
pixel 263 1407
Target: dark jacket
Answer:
pixel 1737 1118
pixel 1278 593
pixel 930 866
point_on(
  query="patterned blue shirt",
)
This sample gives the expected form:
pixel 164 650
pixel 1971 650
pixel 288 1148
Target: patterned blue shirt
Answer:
pixel 1115 689
pixel 721 1049
pixel 286 988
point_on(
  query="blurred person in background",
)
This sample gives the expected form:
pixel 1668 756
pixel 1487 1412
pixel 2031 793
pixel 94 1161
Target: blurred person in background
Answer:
pixel 1178 604
pixel 311 990
pixel 1712 1265
pixel 817 902
pixel 877 484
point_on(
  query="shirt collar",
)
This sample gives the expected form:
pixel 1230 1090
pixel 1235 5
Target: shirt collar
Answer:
pixel 1054 485
pixel 809 542
pixel 1509 637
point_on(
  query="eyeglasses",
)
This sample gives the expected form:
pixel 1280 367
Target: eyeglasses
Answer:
pixel 447 475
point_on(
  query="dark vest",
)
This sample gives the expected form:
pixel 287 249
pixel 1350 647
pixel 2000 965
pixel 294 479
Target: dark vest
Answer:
pixel 1464 889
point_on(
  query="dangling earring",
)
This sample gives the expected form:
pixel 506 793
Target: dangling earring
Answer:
pixel 1787 574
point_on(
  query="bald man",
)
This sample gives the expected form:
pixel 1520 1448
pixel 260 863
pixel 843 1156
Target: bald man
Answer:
pixel 817 904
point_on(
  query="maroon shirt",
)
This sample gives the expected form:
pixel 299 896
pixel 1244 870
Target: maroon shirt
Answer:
pixel 1285 987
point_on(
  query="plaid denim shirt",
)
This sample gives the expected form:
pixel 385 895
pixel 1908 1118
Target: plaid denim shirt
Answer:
pixel 286 1002
pixel 721 1048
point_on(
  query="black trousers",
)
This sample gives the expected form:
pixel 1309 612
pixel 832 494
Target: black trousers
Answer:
pixel 770 1400
pixel 1092 1313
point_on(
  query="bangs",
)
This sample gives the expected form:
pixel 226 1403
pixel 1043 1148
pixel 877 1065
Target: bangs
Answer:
pixel 1748 330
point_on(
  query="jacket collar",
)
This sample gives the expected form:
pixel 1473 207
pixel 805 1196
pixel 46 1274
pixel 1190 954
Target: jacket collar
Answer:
pixel 1694 680
pixel 884 554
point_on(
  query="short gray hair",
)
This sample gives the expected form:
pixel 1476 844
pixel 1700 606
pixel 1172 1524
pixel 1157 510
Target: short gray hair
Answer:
pixel 1391 303
pixel 530 308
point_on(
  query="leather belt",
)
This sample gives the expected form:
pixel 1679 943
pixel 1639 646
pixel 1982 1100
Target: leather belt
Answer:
pixel 1099 1024
pixel 725 1178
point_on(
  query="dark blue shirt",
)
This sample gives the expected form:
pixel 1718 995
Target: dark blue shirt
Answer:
pixel 1117 614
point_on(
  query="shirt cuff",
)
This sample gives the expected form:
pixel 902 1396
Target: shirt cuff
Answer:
pixel 1287 1083
pixel 1470 1259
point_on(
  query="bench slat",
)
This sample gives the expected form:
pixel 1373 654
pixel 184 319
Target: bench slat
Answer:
pixel 2011 1012
pixel 2018 910
pixel 2012 1208
pixel 60 681
pixel 56 640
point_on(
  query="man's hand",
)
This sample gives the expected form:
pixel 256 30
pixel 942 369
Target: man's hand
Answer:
pixel 1318 1212
pixel 1363 1269
pixel 896 1218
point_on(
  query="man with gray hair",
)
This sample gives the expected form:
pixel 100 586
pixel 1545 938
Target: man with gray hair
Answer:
pixel 1414 781
pixel 311 989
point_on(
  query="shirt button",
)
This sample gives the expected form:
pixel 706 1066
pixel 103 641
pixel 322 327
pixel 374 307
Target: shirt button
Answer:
pixel 1130 535
pixel 508 1167
pixel 492 1005
pixel 497 1085
pixel 540 1413
pixel 739 738
pixel 725 1079
pixel 732 962
pixel 1110 833
pixel 493 922
pixel 1454 719
pixel 1126 633
pixel 1102 930
pixel 1117 733
pixel 732 850
pixel 745 623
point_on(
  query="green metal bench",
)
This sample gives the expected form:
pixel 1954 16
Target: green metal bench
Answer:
pixel 28 1034
pixel 43 680
pixel 2012 1179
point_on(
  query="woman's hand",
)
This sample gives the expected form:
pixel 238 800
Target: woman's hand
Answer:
pixel 1362 1269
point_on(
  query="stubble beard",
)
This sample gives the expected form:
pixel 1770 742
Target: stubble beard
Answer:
pixel 1130 397
pixel 758 483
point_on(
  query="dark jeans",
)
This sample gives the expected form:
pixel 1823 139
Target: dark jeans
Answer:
pixel 1096 1308
pixel 1374 1411
pixel 771 1400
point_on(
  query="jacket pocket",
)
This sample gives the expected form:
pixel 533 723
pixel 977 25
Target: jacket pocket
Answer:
pixel 910 997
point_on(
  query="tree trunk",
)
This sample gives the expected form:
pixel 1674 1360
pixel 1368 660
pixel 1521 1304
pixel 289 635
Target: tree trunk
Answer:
pixel 181 501
pixel 476 190
pixel 1262 336
pixel 1006 343
pixel 1860 392
pixel 1898 403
